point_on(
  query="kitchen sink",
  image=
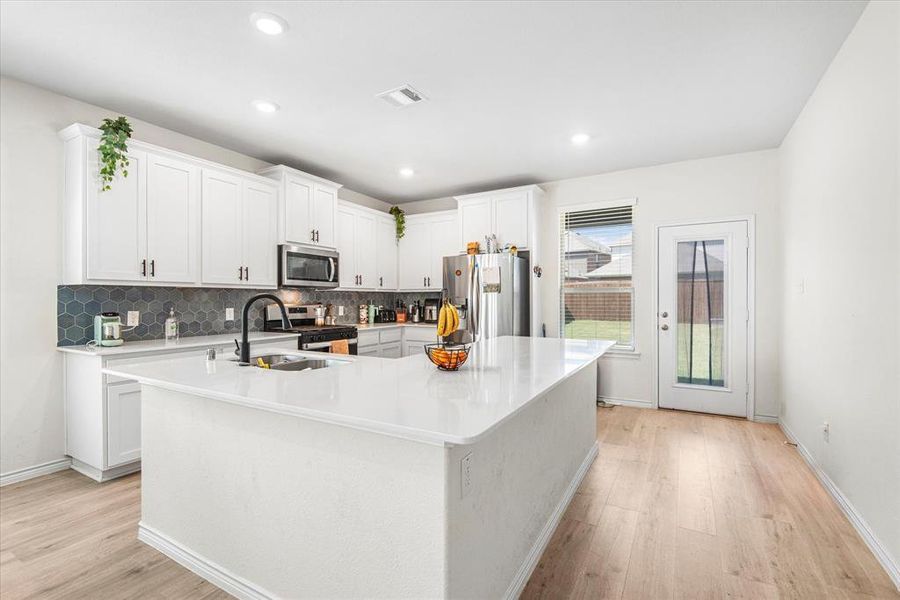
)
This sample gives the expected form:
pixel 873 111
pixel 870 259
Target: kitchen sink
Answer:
pixel 292 362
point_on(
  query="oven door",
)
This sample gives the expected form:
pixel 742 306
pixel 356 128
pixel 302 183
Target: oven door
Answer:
pixel 305 266
pixel 326 347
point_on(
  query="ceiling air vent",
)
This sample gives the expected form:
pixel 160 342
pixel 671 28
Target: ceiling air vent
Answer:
pixel 402 96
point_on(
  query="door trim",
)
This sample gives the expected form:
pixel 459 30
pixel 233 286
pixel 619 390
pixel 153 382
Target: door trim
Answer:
pixel 751 305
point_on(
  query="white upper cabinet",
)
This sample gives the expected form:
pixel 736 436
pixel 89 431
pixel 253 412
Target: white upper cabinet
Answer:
pixel 476 219
pixel 307 207
pixel 348 276
pixel 356 232
pixel 116 219
pixel 429 238
pixel 239 220
pixel 260 234
pixel 173 220
pixel 222 207
pixel 508 214
pixel 386 252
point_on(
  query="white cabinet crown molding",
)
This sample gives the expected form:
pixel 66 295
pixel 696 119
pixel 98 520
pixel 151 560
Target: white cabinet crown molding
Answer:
pixel 269 172
pixel 521 188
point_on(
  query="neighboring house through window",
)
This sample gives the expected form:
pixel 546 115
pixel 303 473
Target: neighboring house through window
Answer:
pixel 596 292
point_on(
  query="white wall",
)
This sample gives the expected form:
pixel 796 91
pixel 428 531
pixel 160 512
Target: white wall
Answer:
pixel 721 187
pixel 31 178
pixel 841 290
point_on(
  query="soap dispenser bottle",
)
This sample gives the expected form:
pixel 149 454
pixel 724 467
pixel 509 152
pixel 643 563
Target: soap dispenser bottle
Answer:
pixel 171 326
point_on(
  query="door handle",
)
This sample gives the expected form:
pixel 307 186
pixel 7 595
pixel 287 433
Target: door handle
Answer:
pixel 241 273
pixel 664 314
pixel 664 327
pixel 317 235
pixel 246 273
pixel 153 268
pixel 381 282
pixel 312 235
pixel 144 268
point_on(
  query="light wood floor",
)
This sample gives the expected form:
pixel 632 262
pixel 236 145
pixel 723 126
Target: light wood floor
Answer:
pixel 676 505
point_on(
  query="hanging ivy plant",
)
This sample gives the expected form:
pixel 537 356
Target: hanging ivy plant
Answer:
pixel 113 149
pixel 399 221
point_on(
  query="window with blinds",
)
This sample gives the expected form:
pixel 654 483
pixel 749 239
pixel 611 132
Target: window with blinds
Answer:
pixel 596 292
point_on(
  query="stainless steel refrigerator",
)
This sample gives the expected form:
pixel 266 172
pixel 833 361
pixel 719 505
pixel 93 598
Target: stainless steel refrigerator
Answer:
pixel 491 293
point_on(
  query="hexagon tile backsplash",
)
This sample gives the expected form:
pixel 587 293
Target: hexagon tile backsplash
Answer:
pixel 200 311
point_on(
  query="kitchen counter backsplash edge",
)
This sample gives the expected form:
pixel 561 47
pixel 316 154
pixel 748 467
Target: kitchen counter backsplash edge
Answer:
pixel 200 311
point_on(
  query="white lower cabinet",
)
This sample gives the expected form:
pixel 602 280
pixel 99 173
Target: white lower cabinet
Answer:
pixel 123 422
pixel 103 412
pixel 386 342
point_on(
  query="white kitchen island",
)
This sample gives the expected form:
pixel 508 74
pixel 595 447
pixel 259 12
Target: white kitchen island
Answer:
pixel 371 478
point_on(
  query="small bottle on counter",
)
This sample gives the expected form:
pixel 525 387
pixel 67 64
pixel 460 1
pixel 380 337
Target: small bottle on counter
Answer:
pixel 171 326
pixel 363 314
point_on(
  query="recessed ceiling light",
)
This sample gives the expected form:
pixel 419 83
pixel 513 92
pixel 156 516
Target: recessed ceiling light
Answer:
pixel 265 106
pixel 268 23
pixel 407 172
pixel 580 139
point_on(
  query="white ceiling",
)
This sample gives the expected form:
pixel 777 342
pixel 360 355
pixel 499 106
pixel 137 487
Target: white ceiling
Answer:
pixel 508 82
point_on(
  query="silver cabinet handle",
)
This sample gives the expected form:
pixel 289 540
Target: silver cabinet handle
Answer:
pixel 664 327
pixel 241 273
pixel 153 268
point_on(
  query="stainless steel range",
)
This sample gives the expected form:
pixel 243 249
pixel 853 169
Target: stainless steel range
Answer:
pixel 312 337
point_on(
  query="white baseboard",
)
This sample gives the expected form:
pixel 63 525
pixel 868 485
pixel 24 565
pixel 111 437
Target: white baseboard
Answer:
pixel 101 475
pixel 540 544
pixel 208 570
pixel 856 519
pixel 36 471
pixel 765 419
pixel 627 402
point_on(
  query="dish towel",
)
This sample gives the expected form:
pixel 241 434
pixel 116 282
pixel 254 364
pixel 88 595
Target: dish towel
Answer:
pixel 340 347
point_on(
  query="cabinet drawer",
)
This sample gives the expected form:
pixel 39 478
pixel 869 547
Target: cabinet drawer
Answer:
pixel 391 351
pixel 366 338
pixel 420 334
pixel 390 335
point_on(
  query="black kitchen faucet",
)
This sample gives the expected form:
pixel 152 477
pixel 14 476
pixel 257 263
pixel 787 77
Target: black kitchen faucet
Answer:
pixel 244 348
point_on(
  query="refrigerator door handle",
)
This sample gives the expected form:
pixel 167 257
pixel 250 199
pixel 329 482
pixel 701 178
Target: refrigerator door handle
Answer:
pixel 475 296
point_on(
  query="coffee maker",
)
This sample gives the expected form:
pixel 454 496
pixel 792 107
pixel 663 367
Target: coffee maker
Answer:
pixel 432 310
pixel 108 329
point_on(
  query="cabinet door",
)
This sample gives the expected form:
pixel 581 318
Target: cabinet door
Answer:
pixel 221 207
pixel 414 256
pixel 475 221
pixel 117 222
pixel 173 204
pixel 298 197
pixel 511 216
pixel 443 243
pixel 260 208
pixel 365 251
pixel 386 253
pixel 346 247
pixel 323 211
pixel 123 423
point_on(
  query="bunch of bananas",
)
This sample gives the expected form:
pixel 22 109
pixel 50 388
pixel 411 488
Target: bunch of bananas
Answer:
pixel 448 319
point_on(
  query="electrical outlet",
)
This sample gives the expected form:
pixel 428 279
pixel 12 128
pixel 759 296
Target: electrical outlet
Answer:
pixel 229 314
pixel 826 430
pixel 133 319
pixel 465 474
pixel 340 310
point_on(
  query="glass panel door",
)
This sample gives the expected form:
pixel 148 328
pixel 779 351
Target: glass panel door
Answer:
pixel 700 325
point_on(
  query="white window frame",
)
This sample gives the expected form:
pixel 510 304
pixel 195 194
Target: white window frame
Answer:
pixel 628 350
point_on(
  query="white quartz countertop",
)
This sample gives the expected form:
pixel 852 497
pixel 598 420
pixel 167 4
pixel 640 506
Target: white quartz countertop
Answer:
pixel 407 397
pixel 185 343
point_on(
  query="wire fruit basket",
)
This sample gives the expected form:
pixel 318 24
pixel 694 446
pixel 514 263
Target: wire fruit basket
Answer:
pixel 448 357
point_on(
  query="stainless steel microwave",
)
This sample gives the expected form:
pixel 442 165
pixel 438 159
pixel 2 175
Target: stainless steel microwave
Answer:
pixel 307 266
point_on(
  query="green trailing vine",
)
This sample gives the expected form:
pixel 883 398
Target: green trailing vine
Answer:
pixel 113 149
pixel 399 221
